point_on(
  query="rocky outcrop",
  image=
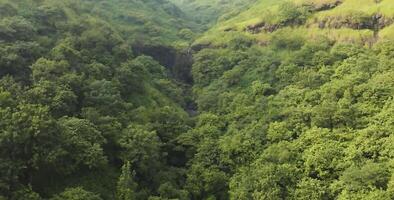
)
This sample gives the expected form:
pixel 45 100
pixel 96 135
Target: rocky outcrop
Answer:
pixel 379 21
pixel 325 6
pixel 177 62
pixel 262 27
pixel 375 22
pixel 165 55
pixel 229 29
pixel 200 46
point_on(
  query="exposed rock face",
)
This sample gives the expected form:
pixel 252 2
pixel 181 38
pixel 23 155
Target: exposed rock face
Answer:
pixel 200 46
pixel 183 67
pixel 260 27
pixel 164 55
pixel 325 6
pixel 229 29
pixel 380 22
pixel 177 62
pixel 375 22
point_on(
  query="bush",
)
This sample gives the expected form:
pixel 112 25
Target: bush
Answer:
pixel 282 39
pixel 77 193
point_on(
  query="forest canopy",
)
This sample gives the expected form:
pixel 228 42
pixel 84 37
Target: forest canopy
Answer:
pixel 195 99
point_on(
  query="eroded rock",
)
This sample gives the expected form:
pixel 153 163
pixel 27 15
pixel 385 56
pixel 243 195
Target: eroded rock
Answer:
pixel 260 27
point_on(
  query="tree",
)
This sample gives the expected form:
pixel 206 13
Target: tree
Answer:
pixel 28 138
pixel 263 181
pixel 82 145
pixel 16 28
pixel 25 193
pixel 207 182
pixel 59 98
pixel 142 149
pixel 17 57
pixel 7 10
pixel 311 189
pixel 131 76
pixel 290 13
pixel 126 187
pixel 77 193
pixel 186 34
pixel 282 40
pixel 44 69
pixel 105 97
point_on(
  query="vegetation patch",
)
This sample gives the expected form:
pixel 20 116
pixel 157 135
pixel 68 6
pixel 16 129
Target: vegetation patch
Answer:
pixel 355 20
pixel 320 5
pixel 288 14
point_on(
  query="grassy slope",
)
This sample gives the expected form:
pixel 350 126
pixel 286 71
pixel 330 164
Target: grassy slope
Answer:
pixel 267 10
pixel 207 12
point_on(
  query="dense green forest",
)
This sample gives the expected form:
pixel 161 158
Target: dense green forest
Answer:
pixel 196 99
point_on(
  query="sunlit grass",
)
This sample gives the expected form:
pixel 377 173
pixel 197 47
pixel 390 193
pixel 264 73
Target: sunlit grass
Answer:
pixel 387 33
pixel 369 7
pixel 267 11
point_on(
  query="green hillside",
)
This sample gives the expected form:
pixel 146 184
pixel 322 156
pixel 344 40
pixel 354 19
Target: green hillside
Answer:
pixel 80 97
pixel 196 100
pixel 351 21
pixel 151 20
pixel 296 101
pixel 207 12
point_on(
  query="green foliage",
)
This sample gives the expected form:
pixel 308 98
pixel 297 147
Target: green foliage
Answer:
pixel 83 143
pixel 70 86
pixel 290 13
pixel 282 40
pixel 26 193
pixel 76 194
pixel 126 187
pixel 207 12
pixel 312 189
pixel 24 130
pixel 309 121
pixel 186 34
pixel 290 100
pixel 7 9
pixel 140 147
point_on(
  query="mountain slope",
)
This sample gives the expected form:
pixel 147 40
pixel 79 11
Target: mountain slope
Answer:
pixel 207 12
pixel 78 99
pixel 296 102
pixel 289 100
pixel 352 21
pixel 150 20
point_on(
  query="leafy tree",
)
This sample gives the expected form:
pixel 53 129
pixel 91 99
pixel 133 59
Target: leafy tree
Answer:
pixel 16 28
pixel 25 193
pixel 142 149
pixel 263 181
pixel 313 189
pixel 290 13
pixel 186 34
pixel 105 96
pixel 49 70
pixel 77 193
pixel 131 76
pixel 60 100
pixel 17 57
pixel 7 9
pixel 126 187
pixel 282 40
pixel 82 145
pixel 28 136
